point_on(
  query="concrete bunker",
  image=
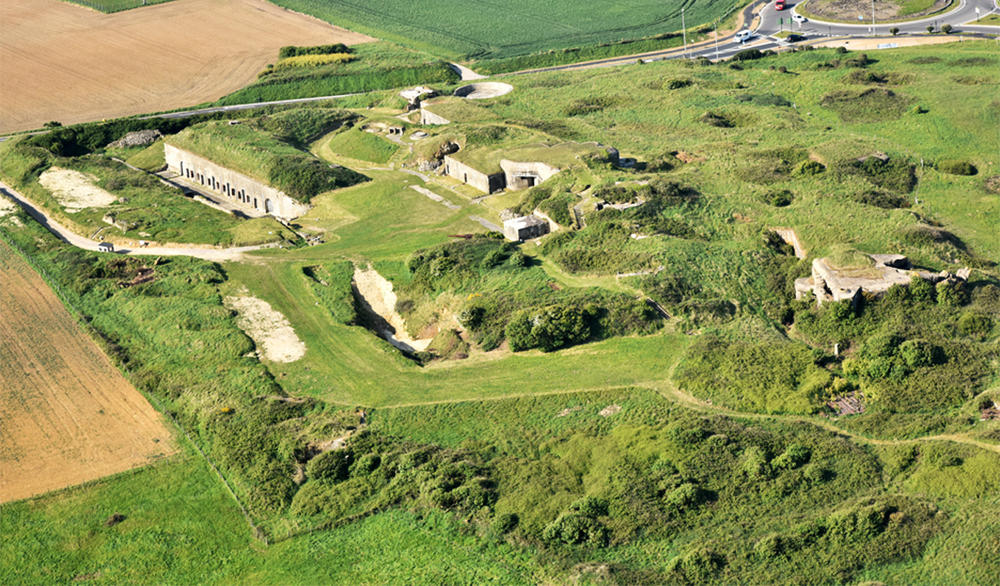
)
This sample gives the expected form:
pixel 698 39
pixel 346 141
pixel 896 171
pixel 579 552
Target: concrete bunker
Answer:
pixel 245 193
pixel 484 90
pixel 525 228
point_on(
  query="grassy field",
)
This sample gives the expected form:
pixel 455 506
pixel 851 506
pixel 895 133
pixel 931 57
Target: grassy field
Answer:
pixel 358 144
pixel 514 27
pixel 699 451
pixel 373 66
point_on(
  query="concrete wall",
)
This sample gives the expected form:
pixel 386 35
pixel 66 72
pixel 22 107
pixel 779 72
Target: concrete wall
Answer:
pixel 519 175
pixel 243 191
pixel 478 179
pixel 428 117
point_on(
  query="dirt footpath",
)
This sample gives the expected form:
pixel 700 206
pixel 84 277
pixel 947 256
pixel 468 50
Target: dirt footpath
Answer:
pixel 872 44
pixel 60 61
pixel 67 415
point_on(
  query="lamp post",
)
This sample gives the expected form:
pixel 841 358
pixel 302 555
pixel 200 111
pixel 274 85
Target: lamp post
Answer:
pixel 717 40
pixel 684 30
pixel 873 17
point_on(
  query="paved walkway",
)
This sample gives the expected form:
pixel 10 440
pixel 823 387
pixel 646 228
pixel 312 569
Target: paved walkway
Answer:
pixel 70 237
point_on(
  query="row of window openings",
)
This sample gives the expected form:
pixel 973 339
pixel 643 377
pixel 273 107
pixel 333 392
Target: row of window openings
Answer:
pixel 226 189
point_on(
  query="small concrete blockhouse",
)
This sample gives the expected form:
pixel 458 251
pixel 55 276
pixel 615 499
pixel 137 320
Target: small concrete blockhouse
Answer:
pixel 485 182
pixel 829 283
pixel 242 191
pixel 525 228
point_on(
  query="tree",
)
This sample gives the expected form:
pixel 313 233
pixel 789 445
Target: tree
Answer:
pixel 930 28
pixel 894 30
pixel 946 29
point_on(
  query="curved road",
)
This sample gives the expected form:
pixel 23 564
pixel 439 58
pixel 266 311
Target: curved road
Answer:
pixel 70 237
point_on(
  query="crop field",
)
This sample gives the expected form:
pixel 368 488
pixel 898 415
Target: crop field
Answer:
pixel 68 415
pixel 131 62
pixel 108 6
pixel 510 27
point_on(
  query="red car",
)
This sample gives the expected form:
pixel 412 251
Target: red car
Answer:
pixel 779 4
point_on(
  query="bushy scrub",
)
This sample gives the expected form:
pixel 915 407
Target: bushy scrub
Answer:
pixel 508 299
pixel 956 167
pixel 332 283
pixel 772 377
pixel 917 347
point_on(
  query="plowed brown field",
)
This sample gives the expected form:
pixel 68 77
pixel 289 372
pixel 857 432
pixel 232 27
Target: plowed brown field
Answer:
pixel 60 61
pixel 67 415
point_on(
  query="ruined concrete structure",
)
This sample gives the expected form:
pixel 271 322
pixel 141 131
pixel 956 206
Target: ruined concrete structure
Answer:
pixel 242 191
pixel 525 228
pixel 829 283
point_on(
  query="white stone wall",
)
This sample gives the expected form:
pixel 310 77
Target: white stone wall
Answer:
pixel 243 191
pixel 478 179
pixel 428 117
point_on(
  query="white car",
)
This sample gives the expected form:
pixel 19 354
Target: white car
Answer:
pixel 743 36
pixel 799 18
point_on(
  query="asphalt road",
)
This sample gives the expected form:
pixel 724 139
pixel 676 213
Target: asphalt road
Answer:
pixel 957 17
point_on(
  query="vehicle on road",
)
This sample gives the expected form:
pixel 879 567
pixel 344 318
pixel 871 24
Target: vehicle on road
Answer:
pixel 799 18
pixel 779 4
pixel 743 36
pixel 106 247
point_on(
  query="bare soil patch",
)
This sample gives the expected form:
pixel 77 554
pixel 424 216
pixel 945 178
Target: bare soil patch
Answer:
pixel 377 292
pixel 64 62
pixel 849 10
pixel 7 207
pixel 67 415
pixel 276 340
pixel 873 44
pixel 74 190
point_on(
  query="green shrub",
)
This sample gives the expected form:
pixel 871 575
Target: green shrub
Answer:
pixel 292 51
pixel 747 55
pixel 779 199
pixel 810 167
pixel 575 529
pixel 548 328
pixel 956 167
pixel 333 465
pixel 952 293
pixel 794 456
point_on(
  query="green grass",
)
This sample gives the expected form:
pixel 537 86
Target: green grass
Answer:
pixel 108 6
pixel 377 66
pixel 182 527
pixel 355 143
pixel 149 159
pixel 514 27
